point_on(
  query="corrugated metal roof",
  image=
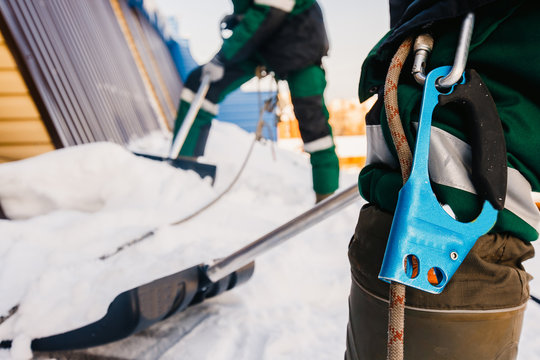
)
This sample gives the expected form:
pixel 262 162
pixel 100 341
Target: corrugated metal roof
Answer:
pixel 87 83
pixel 156 59
pixel 80 71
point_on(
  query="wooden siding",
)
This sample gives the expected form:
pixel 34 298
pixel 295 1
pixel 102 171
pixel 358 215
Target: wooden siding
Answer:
pixel 22 132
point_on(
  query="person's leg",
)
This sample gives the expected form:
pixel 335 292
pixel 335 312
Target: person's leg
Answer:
pixel 234 76
pixel 477 316
pixel 307 87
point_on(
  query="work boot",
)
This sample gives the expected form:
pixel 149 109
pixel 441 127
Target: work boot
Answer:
pixel 432 334
pixel 321 197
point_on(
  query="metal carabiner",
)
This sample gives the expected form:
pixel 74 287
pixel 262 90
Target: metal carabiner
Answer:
pixel 423 46
pixel 462 52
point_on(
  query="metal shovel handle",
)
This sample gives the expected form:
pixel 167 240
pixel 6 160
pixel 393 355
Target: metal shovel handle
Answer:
pixel 248 253
pixel 190 117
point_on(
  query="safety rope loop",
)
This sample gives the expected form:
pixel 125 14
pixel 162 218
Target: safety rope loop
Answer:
pixel 396 307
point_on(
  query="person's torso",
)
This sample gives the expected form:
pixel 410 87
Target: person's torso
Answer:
pixel 504 51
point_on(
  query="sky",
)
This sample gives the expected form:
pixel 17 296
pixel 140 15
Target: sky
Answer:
pixel 353 26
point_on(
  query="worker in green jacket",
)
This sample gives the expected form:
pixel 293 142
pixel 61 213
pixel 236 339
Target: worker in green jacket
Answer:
pixel 479 313
pixel 288 37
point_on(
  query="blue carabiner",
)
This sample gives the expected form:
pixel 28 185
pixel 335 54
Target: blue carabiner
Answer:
pixel 423 235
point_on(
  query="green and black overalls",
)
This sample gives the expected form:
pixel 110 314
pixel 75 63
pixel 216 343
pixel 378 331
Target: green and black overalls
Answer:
pixel 289 38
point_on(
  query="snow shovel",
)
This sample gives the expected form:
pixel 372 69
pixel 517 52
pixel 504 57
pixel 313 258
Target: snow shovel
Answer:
pixel 203 170
pixel 137 309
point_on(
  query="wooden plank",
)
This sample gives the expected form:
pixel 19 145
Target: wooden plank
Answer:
pixel 6 59
pixel 17 107
pixel 12 83
pixel 23 132
pixel 18 152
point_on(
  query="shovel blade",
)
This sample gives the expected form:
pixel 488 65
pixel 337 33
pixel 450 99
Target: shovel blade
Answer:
pixel 202 169
pixel 139 308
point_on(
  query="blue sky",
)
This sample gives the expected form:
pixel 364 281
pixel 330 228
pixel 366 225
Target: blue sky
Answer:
pixel 354 27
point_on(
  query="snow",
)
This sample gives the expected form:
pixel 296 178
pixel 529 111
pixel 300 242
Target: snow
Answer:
pixel 73 206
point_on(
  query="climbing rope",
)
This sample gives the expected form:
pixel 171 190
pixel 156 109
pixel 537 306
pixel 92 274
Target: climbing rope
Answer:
pixel 396 307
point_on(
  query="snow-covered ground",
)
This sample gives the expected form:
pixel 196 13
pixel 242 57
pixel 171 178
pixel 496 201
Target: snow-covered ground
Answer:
pixel 75 205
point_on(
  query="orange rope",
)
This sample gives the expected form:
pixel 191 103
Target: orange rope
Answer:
pixel 396 307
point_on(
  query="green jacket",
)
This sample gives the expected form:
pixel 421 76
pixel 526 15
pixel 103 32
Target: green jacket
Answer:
pixel 504 51
pixel 285 35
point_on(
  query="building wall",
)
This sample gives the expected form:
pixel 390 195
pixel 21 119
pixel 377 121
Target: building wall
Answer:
pixel 22 132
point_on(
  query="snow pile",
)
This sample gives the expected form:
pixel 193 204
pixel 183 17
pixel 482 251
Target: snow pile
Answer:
pixel 73 206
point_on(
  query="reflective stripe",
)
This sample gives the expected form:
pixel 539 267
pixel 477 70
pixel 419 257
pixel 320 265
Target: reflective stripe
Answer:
pixel 188 96
pixel 319 144
pixel 285 5
pixel 450 162
pixel 377 150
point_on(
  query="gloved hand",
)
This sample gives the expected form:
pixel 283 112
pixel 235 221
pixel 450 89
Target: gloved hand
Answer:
pixel 229 22
pixel 214 69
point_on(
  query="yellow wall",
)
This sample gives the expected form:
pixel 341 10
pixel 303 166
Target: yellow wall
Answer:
pixel 22 132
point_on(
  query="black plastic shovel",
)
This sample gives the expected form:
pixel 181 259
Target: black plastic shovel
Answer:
pixel 137 309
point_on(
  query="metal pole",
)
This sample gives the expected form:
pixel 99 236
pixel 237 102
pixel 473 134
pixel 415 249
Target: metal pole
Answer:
pixel 248 253
pixel 190 117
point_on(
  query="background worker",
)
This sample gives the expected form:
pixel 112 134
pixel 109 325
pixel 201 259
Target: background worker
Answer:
pixel 289 39
pixel 479 313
